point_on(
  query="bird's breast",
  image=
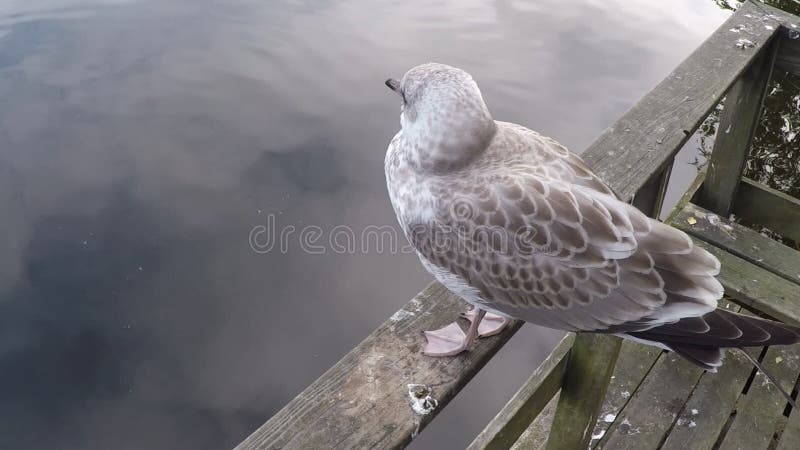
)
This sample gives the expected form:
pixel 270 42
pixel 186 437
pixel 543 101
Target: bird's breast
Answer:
pixel 409 191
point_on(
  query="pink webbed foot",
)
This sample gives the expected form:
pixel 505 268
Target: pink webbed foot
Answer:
pixel 447 341
pixel 490 325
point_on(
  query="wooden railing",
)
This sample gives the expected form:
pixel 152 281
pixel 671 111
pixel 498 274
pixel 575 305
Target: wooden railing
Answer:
pixel 364 401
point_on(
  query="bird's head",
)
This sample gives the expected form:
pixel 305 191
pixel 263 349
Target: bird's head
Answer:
pixel 443 114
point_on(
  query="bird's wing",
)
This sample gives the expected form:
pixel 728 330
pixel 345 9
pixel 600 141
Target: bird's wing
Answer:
pixel 565 255
pixel 548 159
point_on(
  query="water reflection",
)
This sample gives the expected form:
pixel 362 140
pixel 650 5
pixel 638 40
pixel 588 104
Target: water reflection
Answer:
pixel 140 142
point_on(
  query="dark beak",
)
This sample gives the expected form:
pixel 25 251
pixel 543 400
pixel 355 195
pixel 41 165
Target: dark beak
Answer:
pixel 393 84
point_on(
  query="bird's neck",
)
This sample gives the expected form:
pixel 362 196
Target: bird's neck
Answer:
pixel 447 143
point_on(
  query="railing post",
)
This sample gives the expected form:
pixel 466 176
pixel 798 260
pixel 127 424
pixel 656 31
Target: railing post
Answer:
pixel 650 197
pixel 526 404
pixel 591 362
pixel 735 132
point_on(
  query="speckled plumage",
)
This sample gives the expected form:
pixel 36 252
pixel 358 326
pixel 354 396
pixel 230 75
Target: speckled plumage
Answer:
pixel 515 223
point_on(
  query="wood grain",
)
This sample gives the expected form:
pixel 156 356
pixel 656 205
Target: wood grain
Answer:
pixel 704 415
pixel 589 369
pixel 740 241
pixel 761 205
pixel 760 412
pixel 756 288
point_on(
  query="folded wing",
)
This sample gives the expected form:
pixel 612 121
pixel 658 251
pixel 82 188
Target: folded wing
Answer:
pixel 565 255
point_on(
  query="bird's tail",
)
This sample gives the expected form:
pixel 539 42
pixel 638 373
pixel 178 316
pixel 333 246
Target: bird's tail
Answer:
pixel 702 340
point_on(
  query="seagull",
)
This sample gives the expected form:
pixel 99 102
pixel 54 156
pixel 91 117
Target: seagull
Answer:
pixel 519 227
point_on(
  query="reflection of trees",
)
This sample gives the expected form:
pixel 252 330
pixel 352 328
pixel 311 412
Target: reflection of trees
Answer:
pixel 728 4
pixel 790 6
pixel 775 154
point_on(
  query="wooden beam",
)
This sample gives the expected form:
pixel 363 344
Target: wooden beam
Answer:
pixel 740 241
pixel 647 414
pixel 711 403
pixel 633 364
pixel 771 290
pixel 757 203
pixel 535 436
pixel 735 132
pixel 788 57
pixel 650 198
pixel 689 196
pixel 635 361
pixel 591 362
pixel 527 402
pixel 649 135
pixel 363 401
pixel 756 288
pixel 790 438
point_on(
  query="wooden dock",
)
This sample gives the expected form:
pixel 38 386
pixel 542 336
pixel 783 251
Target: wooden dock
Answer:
pixel 596 391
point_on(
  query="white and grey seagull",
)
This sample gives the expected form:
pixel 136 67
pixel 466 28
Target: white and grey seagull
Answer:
pixel 520 227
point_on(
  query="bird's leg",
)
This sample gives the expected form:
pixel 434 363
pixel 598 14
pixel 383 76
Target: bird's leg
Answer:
pixel 450 340
pixel 490 325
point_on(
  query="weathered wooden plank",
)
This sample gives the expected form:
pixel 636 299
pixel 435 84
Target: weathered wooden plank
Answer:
pixel 760 412
pixel 790 438
pixel 535 436
pixel 687 197
pixel 363 401
pixel 757 288
pixel 650 197
pixel 704 415
pixel 526 404
pixel 634 363
pixel 649 135
pixel 649 414
pixel 740 241
pixel 737 126
pixel 786 19
pixel 757 203
pixel 589 368
pixel 788 57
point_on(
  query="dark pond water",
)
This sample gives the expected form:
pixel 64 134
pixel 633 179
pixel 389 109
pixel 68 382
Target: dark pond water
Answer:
pixel 142 141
